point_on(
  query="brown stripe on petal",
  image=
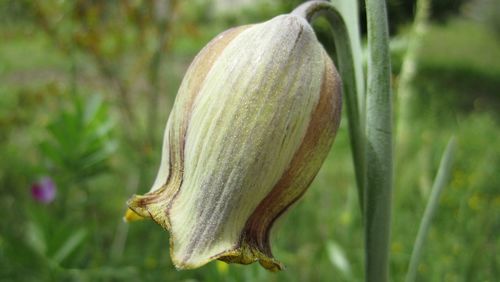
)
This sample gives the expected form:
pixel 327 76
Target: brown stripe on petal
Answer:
pixel 155 204
pixel 302 170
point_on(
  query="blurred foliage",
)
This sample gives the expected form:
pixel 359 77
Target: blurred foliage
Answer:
pixel 85 91
pixel 485 11
pixel 79 140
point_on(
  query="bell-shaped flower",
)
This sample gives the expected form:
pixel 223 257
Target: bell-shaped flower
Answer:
pixel 253 121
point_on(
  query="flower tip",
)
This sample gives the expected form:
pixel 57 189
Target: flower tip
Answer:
pixel 273 266
pixel 130 216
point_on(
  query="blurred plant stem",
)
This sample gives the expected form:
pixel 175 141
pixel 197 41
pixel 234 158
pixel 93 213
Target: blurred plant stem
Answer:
pixel 120 238
pixel 348 53
pixel 379 157
pixel 164 26
pixel 441 180
pixel 405 93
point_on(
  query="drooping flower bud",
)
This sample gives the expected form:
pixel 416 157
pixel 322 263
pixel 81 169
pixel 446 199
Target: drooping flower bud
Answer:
pixel 253 121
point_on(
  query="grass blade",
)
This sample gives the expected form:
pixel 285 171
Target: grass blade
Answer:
pixel 69 246
pixel 442 178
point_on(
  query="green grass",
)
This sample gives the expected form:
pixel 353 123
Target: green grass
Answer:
pixel 463 43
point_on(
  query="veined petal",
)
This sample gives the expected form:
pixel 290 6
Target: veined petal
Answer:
pixel 170 174
pixel 249 130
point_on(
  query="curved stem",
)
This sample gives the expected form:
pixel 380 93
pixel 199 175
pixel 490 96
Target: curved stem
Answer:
pixel 347 68
pixel 373 170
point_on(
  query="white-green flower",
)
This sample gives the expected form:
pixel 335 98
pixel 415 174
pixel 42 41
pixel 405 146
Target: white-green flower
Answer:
pixel 252 123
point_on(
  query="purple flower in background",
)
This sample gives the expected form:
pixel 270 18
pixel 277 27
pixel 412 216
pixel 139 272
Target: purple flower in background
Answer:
pixel 44 190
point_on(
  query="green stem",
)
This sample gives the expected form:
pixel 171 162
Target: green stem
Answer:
pixel 347 68
pixel 405 92
pixel 440 182
pixel 349 10
pixel 379 171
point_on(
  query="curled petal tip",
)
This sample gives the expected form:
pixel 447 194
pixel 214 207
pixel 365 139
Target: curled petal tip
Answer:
pixel 130 216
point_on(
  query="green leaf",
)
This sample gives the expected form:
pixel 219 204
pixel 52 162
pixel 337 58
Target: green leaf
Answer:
pixel 73 241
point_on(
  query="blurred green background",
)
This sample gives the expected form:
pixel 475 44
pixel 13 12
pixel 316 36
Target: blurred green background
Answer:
pixel 85 91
